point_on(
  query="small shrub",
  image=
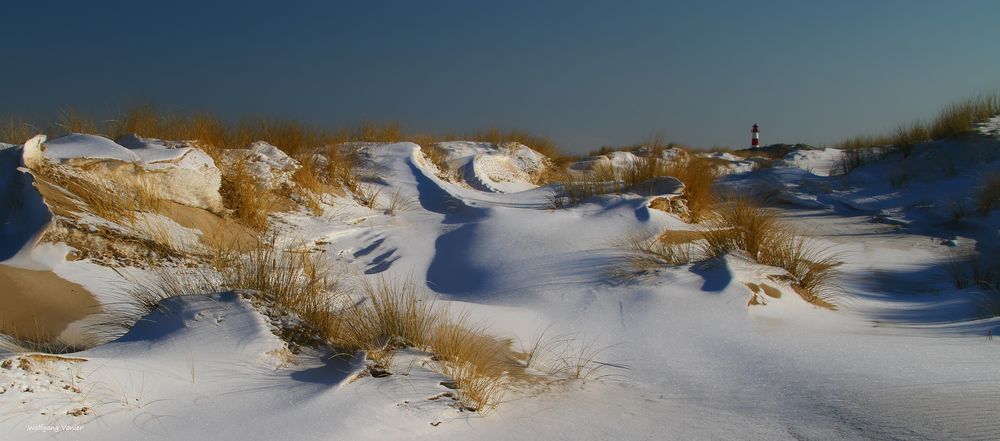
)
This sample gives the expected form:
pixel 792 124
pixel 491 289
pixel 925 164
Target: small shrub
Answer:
pixel 988 194
pixel 959 209
pixel 973 269
pixel 854 158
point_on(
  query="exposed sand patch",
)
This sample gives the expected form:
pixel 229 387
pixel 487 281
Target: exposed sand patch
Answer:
pixel 39 305
pixel 215 230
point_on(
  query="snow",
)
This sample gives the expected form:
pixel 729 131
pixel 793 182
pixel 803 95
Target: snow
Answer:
pixel 80 146
pixel 509 168
pixel 819 162
pixel 266 163
pixel 23 213
pixel 905 355
pixel 185 175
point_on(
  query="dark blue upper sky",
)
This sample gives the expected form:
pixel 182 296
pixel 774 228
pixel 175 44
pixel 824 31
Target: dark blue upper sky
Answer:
pixel 584 73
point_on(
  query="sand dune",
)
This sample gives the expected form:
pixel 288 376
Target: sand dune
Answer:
pixel 39 305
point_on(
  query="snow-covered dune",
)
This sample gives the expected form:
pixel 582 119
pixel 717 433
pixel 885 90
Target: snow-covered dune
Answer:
pixel 488 167
pixel 694 351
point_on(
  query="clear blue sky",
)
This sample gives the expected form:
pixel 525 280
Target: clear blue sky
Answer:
pixel 584 73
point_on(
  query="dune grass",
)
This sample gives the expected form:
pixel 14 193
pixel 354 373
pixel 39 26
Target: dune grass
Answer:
pixel 119 197
pixel 698 175
pixel 743 227
pixel 251 205
pixel 437 156
pixel 958 119
pixel 310 184
pixel 537 143
pixel 647 253
pixel 16 131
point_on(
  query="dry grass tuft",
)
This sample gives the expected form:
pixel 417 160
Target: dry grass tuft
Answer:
pixel 746 228
pixel 378 319
pixel 439 158
pixel 537 143
pixel 118 198
pixel 16 131
pixel 310 187
pixel 341 167
pixel 71 121
pixel 20 344
pixel 241 193
pixel 954 121
pixel 756 232
pixel 646 254
pixel 478 363
pixel 959 118
pixel 989 193
pixel 698 175
pixel 367 195
pixel 390 313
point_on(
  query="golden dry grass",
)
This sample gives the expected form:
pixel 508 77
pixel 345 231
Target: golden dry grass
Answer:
pixel 250 204
pixel 367 195
pixel 341 167
pixel 537 143
pixel 310 186
pixel 953 121
pixel 477 362
pixel 374 317
pixel 742 226
pixel 960 117
pixel 738 226
pixel 438 157
pixel 698 175
pixel 647 253
pixel 118 197
pixel 71 121
pixel 16 131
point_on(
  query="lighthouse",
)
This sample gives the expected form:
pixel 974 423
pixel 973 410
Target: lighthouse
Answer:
pixel 755 138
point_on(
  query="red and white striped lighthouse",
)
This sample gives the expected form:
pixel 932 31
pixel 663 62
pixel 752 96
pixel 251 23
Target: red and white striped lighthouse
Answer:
pixel 755 139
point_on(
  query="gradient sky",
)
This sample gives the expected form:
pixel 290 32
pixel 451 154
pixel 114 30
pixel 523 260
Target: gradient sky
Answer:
pixel 583 73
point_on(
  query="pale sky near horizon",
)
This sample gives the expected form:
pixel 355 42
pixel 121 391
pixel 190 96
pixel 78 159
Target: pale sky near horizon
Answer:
pixel 583 73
